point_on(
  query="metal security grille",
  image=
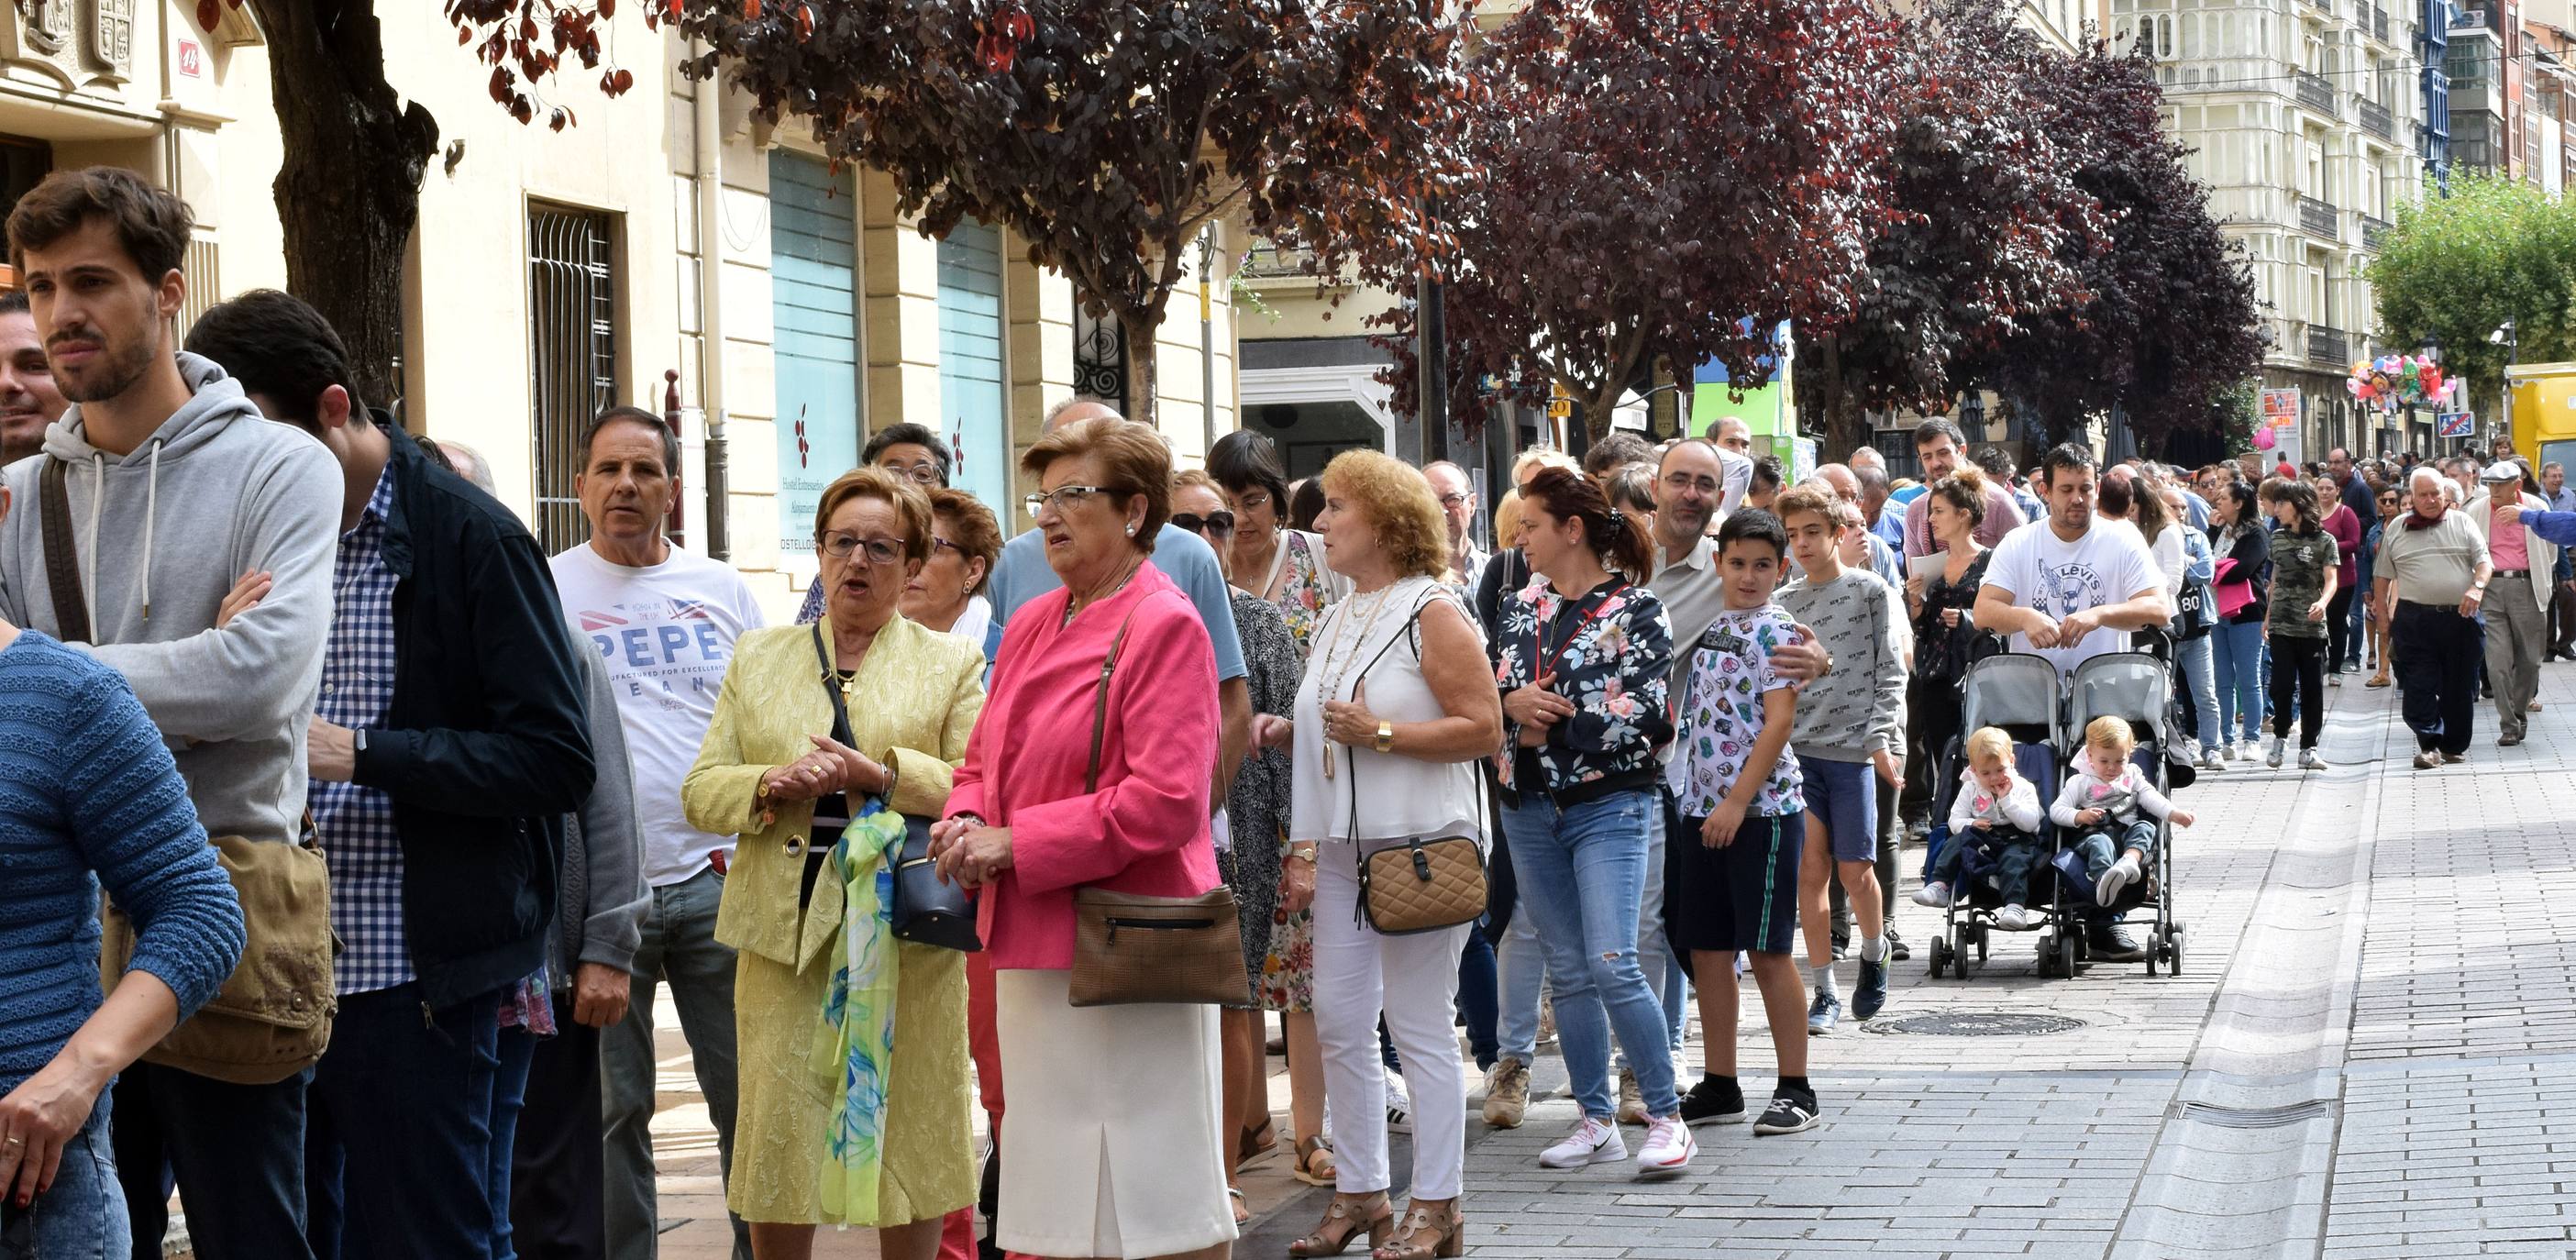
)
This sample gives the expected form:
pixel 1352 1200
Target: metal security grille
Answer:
pixel 572 343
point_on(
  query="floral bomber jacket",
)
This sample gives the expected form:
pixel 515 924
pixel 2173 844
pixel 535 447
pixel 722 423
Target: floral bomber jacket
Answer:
pixel 1612 654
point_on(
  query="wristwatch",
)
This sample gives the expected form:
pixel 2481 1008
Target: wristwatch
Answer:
pixel 1385 736
pixel 1303 849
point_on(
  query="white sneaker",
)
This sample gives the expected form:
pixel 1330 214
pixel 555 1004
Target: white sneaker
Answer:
pixel 2012 918
pixel 2122 874
pixel 2273 758
pixel 2227 749
pixel 1935 894
pixel 1399 1106
pixel 1668 1148
pixel 1595 1141
pixel 2252 749
pixel 2309 760
pixel 2210 760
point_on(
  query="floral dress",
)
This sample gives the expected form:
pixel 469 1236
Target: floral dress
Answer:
pixel 1256 809
pixel 1302 589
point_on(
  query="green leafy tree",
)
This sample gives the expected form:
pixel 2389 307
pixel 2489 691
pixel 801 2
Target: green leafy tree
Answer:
pixel 2452 270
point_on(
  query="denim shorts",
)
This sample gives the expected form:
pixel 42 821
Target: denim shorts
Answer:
pixel 83 1216
pixel 1841 798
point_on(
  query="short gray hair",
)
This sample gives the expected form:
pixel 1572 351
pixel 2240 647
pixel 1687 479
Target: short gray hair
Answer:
pixel 1046 423
pixel 469 464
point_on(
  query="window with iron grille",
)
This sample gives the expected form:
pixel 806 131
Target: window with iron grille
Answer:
pixel 572 345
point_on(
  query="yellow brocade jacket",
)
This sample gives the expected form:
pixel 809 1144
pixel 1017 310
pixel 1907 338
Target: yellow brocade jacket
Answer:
pixel 912 705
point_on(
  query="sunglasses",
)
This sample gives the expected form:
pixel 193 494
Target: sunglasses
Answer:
pixel 1212 523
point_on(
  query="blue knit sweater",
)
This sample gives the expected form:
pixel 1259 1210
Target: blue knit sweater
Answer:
pixel 88 795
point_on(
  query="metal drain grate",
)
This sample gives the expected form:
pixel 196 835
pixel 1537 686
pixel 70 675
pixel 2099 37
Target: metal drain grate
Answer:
pixel 1978 1024
pixel 2257 1117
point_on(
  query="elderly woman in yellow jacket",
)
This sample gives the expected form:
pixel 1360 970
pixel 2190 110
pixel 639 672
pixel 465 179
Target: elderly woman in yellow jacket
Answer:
pixel 853 1063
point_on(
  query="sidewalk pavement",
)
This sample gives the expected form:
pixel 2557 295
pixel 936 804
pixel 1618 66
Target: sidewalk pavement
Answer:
pixel 2385 949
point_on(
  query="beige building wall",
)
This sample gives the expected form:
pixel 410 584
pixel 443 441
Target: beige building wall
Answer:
pixel 212 136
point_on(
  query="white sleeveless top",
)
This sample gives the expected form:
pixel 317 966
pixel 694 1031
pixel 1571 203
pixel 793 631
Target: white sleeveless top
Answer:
pixel 1398 796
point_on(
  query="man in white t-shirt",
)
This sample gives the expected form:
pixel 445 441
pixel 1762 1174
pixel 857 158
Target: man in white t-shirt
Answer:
pixel 663 622
pixel 2071 588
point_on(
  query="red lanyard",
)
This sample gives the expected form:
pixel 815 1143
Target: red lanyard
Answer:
pixel 1546 657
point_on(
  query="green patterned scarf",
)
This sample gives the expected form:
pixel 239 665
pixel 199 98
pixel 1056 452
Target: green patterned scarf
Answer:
pixel 854 1047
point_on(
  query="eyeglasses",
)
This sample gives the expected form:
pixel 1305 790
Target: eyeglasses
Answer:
pixel 1453 500
pixel 1212 523
pixel 840 546
pixel 1064 498
pixel 1684 481
pixel 923 474
pixel 1256 500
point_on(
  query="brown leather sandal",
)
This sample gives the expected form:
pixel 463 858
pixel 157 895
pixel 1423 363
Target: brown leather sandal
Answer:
pixel 1431 1232
pixel 1350 1215
pixel 1310 1152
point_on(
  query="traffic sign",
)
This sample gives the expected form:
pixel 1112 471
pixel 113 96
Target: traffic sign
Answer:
pixel 2458 424
pixel 1559 408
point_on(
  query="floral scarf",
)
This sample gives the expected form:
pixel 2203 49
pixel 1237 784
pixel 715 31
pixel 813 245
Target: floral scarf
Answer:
pixel 854 1046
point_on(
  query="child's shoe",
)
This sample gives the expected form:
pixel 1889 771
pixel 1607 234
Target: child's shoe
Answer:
pixel 2012 918
pixel 2123 873
pixel 1935 894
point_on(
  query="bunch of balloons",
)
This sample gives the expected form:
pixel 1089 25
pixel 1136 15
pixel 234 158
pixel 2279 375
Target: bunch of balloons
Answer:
pixel 2395 381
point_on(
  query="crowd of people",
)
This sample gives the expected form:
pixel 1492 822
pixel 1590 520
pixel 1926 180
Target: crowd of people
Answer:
pixel 403 824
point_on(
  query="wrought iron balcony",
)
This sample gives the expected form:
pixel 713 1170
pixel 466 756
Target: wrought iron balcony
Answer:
pixel 2372 230
pixel 2379 23
pixel 2374 117
pixel 2317 217
pixel 2327 345
pixel 2316 93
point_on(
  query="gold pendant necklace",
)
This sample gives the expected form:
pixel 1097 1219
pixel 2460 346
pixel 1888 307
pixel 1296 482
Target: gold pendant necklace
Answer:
pixel 1333 677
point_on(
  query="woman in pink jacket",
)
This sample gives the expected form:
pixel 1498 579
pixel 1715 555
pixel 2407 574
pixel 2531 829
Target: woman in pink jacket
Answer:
pixel 1111 1146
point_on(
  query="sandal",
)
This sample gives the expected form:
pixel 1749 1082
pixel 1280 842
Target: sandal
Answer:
pixel 2380 681
pixel 1256 1143
pixel 1311 1151
pixel 1350 1215
pixel 1431 1232
pixel 1242 1210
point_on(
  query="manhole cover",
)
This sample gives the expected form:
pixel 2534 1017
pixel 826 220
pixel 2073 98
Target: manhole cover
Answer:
pixel 1978 1024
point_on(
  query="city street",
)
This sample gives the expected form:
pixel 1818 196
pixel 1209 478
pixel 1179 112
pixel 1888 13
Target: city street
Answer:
pixel 2360 1055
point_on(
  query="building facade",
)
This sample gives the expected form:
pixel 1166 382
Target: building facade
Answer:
pixel 555 274
pixel 2302 116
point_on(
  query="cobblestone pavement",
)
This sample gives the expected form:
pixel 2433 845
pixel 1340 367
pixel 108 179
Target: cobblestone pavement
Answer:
pixel 2362 1058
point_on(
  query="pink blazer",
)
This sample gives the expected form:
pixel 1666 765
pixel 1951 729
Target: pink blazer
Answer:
pixel 1146 829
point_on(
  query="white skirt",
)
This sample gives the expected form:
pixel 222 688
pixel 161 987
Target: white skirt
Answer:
pixel 1112 1142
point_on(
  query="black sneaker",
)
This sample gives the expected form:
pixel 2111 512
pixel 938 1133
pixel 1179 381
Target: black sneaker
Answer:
pixel 1787 1114
pixel 1871 994
pixel 1896 950
pixel 1715 1100
pixel 2112 943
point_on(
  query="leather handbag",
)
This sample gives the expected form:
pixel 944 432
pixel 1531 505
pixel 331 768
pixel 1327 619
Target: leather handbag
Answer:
pixel 1133 948
pixel 271 1018
pixel 926 909
pixel 1422 884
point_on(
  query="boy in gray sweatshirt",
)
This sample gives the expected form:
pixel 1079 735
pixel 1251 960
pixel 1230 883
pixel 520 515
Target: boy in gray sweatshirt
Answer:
pixel 1847 726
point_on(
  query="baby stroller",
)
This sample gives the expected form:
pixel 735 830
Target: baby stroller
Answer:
pixel 2138 688
pixel 2018 693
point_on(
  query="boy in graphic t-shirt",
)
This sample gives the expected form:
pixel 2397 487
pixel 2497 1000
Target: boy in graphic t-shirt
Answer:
pixel 1738 792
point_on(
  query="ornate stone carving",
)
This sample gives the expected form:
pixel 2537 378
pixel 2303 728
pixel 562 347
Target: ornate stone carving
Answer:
pixel 77 41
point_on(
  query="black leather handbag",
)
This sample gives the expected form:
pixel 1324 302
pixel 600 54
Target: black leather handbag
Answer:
pixel 926 910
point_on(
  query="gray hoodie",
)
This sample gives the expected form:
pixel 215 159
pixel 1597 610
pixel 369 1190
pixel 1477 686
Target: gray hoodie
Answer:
pixel 162 532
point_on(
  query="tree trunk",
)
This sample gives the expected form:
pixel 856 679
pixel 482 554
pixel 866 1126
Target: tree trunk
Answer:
pixel 1828 408
pixel 1142 377
pixel 348 191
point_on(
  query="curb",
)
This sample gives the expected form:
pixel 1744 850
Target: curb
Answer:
pixel 2244 1163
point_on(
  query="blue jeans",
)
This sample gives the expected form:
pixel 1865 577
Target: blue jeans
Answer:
pixel 2199 676
pixel 1477 1001
pixel 1520 972
pixel 2238 652
pixel 1582 873
pixel 398 1153
pixel 83 1216
pixel 238 1153
pixel 1654 950
pixel 515 1051
pixel 679 946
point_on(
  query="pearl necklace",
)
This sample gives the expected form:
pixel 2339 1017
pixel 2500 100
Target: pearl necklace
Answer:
pixel 1335 674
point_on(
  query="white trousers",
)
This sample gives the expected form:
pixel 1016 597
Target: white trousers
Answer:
pixel 1413 981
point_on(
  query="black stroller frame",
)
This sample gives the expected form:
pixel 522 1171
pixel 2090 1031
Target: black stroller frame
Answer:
pixel 2137 687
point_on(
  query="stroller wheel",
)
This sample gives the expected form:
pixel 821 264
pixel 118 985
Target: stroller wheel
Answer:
pixel 2066 953
pixel 1981 942
pixel 2155 949
pixel 1940 955
pixel 2173 957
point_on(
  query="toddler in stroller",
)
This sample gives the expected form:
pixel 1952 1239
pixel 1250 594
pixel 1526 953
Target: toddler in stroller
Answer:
pixel 2114 810
pixel 1994 829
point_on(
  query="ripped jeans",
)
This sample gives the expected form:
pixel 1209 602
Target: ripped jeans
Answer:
pixel 1582 874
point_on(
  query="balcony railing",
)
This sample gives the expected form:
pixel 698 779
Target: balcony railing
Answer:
pixel 2374 117
pixel 2316 93
pixel 2372 230
pixel 2327 5
pixel 1267 261
pixel 2379 23
pixel 2326 345
pixel 2317 216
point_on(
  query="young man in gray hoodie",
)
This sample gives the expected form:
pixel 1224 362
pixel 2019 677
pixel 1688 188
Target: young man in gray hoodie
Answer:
pixel 176 486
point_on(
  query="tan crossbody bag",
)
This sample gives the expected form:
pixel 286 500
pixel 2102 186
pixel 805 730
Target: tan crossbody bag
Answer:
pixel 1420 884
pixel 272 1017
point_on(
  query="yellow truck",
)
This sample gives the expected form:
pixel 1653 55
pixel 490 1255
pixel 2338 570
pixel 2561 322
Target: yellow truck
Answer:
pixel 2544 412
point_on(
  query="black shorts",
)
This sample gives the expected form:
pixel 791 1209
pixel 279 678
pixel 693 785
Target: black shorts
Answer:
pixel 1744 896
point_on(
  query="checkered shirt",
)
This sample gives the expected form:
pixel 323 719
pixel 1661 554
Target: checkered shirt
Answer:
pixel 357 823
